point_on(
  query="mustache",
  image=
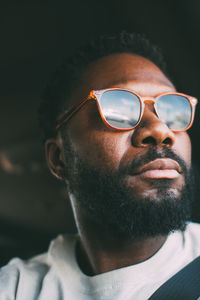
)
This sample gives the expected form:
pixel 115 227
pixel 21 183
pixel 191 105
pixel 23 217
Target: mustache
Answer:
pixel 153 154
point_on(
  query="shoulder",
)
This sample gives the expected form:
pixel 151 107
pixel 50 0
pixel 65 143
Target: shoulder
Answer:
pixel 27 279
pixel 192 238
pixel 193 229
pixel 24 274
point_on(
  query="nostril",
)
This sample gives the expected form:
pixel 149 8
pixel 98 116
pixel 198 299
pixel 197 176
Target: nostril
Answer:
pixel 149 140
pixel 167 141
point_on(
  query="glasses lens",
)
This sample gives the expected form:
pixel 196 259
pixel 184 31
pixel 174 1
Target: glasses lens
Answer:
pixel 121 109
pixel 175 111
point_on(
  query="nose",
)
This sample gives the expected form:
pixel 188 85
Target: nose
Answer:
pixel 152 132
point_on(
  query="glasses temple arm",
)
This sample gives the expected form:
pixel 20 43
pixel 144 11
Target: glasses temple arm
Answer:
pixel 68 114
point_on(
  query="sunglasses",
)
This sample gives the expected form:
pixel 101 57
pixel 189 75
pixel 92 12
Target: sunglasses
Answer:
pixel 122 109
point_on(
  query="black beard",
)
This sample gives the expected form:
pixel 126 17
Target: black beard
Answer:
pixel 108 202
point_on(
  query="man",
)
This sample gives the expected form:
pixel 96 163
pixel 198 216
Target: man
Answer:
pixel 115 131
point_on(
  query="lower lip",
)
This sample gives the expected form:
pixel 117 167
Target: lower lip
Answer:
pixel 157 174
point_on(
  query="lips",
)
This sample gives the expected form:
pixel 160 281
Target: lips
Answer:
pixel 160 168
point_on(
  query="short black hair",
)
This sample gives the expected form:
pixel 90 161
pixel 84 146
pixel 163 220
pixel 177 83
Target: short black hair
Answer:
pixel 67 75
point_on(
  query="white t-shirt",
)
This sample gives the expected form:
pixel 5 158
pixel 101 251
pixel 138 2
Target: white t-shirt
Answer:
pixel 56 275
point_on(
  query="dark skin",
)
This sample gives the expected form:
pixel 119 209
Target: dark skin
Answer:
pixel 108 150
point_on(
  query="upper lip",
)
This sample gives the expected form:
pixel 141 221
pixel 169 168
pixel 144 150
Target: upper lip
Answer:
pixel 160 164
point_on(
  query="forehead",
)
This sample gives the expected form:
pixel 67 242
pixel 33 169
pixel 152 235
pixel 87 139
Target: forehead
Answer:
pixel 122 70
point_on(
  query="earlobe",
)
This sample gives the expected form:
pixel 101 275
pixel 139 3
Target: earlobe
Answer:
pixel 55 157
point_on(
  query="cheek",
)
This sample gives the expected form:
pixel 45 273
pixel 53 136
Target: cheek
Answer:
pixel 94 142
pixel 182 147
pixel 101 148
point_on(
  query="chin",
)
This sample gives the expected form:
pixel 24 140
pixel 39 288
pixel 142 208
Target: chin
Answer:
pixel 158 194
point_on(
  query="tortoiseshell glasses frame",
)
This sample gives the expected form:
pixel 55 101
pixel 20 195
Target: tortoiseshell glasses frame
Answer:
pixel 97 95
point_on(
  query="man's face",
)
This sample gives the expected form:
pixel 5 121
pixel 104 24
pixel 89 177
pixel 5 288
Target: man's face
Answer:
pixel 104 165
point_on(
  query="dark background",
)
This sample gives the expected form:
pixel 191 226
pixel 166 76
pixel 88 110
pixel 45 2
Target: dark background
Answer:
pixel 35 37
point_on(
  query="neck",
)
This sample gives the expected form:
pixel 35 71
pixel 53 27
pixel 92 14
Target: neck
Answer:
pixel 99 252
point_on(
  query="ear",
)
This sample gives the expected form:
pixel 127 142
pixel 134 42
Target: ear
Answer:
pixel 55 157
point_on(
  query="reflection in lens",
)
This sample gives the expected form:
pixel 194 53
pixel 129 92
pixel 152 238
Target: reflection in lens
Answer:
pixel 121 109
pixel 174 110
